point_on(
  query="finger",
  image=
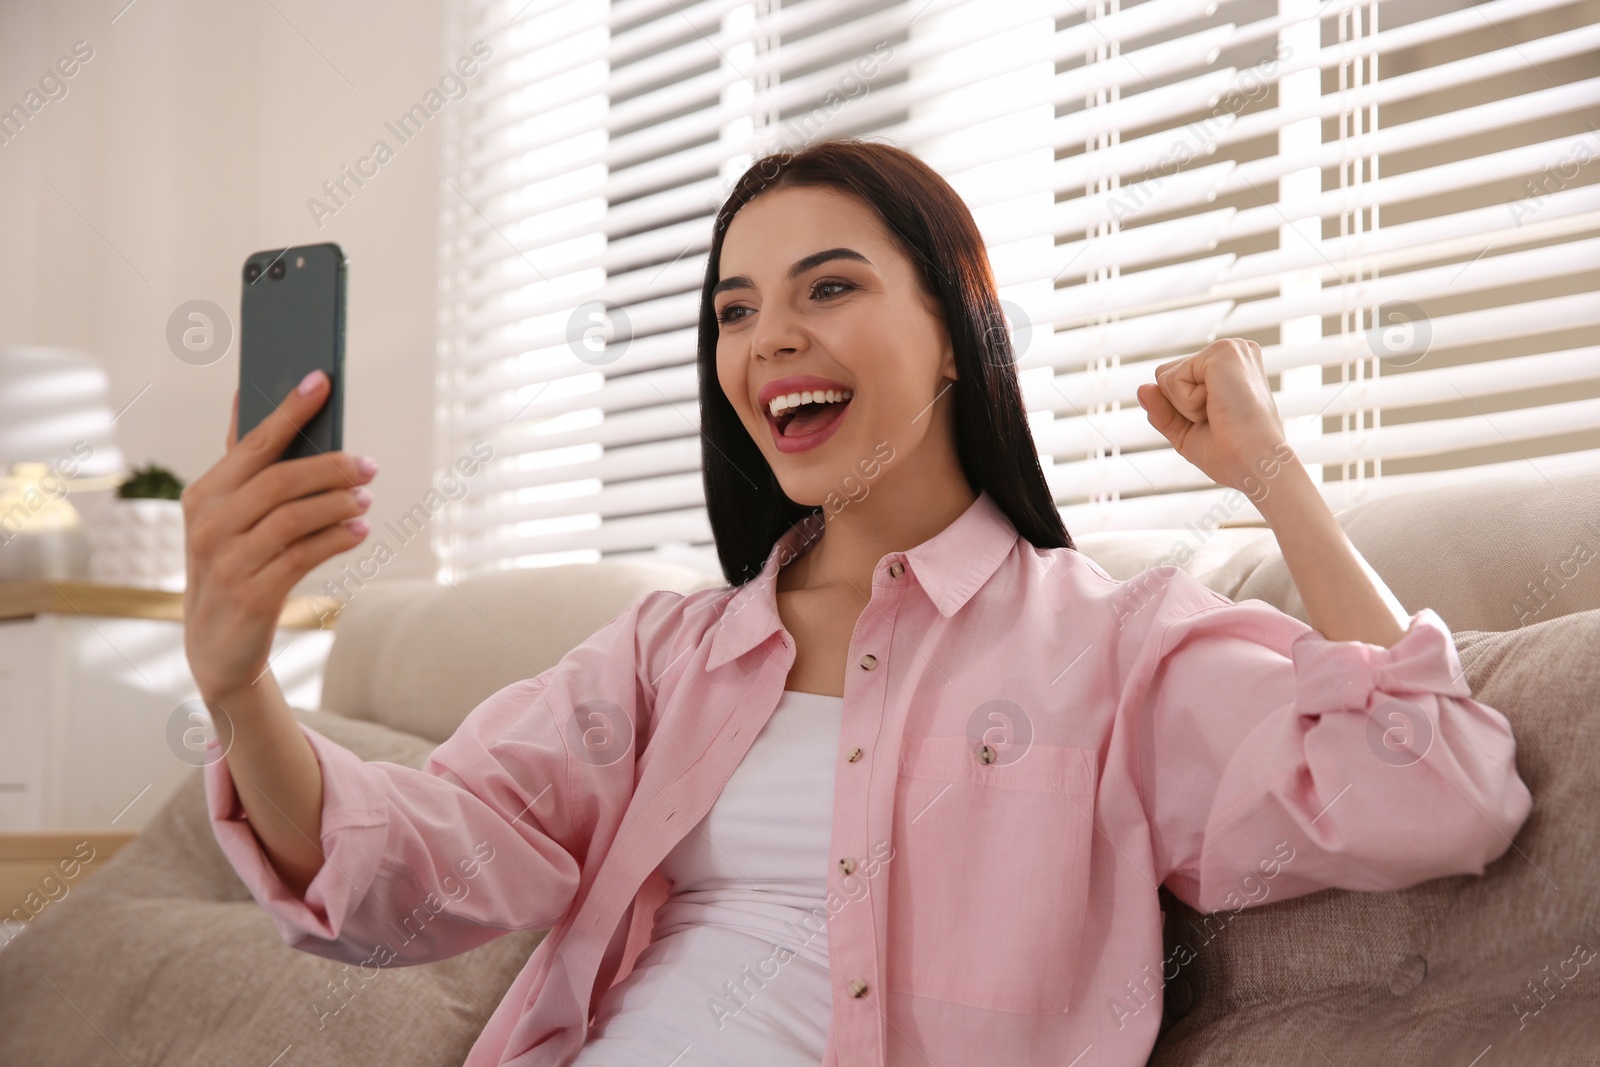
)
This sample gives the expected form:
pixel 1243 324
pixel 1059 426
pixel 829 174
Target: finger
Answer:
pixel 290 480
pixel 1184 387
pixel 1162 415
pixel 290 523
pixel 297 560
pixel 263 444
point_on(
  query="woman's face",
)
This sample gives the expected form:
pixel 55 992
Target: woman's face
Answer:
pixel 813 287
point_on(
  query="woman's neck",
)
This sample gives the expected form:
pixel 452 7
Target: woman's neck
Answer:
pixel 893 516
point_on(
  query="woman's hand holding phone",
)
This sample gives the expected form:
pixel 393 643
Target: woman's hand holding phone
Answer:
pixel 253 527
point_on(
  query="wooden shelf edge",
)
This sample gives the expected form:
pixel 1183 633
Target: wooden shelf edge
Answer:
pixel 20 600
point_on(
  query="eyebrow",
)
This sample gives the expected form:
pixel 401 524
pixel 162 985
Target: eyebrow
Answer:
pixel 815 259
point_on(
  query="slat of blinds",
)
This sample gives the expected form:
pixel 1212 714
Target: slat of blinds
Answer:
pixel 616 464
pixel 1169 512
pixel 675 382
pixel 645 496
pixel 618 535
pixel 1182 236
pixel 1534 264
pixel 655 350
pixel 1161 331
pixel 1465 234
pixel 623 428
pixel 1162 469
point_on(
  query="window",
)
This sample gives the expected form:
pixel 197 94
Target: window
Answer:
pixel 1397 201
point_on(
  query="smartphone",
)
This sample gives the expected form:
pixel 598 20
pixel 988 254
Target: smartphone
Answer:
pixel 291 322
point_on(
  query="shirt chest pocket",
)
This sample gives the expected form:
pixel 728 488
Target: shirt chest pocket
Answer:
pixel 990 878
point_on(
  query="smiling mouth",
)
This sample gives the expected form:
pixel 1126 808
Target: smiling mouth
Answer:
pixel 808 416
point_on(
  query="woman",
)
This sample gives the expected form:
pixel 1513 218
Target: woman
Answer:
pixel 904 791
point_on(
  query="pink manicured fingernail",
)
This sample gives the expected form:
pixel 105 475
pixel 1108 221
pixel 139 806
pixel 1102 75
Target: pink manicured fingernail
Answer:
pixel 310 382
pixel 367 465
pixel 359 527
pixel 362 497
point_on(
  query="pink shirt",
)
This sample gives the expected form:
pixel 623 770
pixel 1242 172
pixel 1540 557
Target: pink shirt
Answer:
pixel 1029 748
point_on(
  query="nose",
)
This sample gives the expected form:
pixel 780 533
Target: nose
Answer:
pixel 777 334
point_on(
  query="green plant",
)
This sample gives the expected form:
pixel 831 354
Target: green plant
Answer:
pixel 151 481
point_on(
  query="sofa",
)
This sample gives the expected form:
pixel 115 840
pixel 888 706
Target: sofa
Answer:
pixel 164 958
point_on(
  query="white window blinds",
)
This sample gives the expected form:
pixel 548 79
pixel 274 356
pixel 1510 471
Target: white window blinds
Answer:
pixel 1397 201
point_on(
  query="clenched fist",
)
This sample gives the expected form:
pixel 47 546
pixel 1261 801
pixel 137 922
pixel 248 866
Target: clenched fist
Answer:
pixel 1218 412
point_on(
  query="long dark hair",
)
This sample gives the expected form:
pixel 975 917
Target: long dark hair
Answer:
pixel 747 507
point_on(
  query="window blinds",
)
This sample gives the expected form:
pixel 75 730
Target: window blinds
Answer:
pixel 1397 201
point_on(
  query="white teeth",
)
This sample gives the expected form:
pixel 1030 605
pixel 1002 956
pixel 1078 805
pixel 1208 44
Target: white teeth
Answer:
pixel 779 404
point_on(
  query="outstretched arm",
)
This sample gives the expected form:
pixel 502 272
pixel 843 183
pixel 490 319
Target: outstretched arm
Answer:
pixel 1218 413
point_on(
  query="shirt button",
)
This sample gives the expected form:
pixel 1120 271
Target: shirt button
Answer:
pixel 847 865
pixel 896 569
pixel 868 661
pixel 855 754
pixel 858 988
pixel 986 754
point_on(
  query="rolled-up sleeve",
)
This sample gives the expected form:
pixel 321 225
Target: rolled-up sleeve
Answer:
pixel 490 835
pixel 1275 762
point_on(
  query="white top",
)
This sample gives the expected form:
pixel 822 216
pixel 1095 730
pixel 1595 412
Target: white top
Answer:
pixel 736 971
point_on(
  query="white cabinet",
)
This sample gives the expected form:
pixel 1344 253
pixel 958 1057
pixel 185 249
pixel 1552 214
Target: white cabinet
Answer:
pixel 94 687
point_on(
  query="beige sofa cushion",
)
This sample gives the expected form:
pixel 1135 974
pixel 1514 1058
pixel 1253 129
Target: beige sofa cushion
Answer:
pixel 1430 974
pixel 418 656
pixel 172 961
pixel 1488 554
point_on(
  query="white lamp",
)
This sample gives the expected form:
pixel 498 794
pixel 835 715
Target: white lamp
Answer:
pixel 56 438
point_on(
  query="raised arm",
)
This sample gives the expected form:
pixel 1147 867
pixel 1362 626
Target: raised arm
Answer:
pixel 1216 409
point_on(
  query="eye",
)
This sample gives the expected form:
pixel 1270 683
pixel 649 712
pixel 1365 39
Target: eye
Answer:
pixel 726 316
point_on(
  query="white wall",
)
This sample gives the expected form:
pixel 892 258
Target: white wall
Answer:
pixel 193 137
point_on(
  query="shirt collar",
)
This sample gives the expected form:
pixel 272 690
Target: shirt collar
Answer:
pixel 950 567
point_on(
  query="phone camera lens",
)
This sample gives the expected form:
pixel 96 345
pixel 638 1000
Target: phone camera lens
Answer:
pixel 252 271
pixel 276 270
